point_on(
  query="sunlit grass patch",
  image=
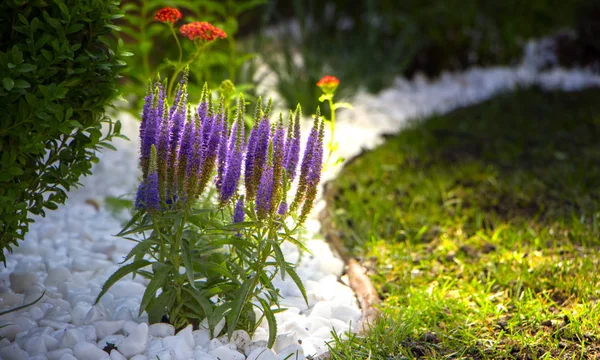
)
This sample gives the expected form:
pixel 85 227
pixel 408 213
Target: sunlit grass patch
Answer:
pixel 481 230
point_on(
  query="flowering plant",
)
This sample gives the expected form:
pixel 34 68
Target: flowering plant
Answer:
pixel 210 245
pixel 328 84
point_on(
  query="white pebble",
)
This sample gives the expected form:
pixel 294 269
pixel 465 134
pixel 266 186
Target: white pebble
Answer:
pixel 284 340
pixel 57 275
pixel 96 313
pixel 179 346
pixel 58 353
pixel 105 328
pixel 262 353
pixel 89 332
pixel 129 327
pixel 161 330
pixel 116 355
pixel 70 338
pixel 201 337
pixel 225 353
pixel 68 357
pixel 88 351
pixel 35 345
pixel 241 339
pixel 21 281
pixel 13 352
pixel 186 334
pixel 139 357
pixel 213 344
pixel 292 352
pixel 136 342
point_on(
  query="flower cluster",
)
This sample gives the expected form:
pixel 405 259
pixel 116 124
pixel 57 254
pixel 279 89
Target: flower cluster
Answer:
pixel 202 30
pixel 168 15
pixel 181 149
pixel 328 84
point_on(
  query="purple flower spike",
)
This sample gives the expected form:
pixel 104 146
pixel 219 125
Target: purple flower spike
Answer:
pixel 185 155
pixel 222 155
pixel 238 212
pixel 162 150
pixel 305 167
pixel 265 191
pixel 278 154
pixel 293 149
pixel 151 185
pixel 260 151
pixel 235 155
pixel 196 157
pixel 250 159
pixel 148 129
pixel 314 175
pixel 140 201
pixel 283 208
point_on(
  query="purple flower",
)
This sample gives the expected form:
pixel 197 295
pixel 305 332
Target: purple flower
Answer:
pixel 249 168
pixel 210 155
pixel 292 153
pixel 278 154
pixel 148 128
pixel 265 191
pixel 140 201
pixel 222 155
pixel 283 208
pixel 162 150
pixel 151 184
pixel 238 212
pixel 314 175
pixel 305 167
pixel 235 155
pixel 195 160
pixel 260 151
pixel 185 156
pixel 152 192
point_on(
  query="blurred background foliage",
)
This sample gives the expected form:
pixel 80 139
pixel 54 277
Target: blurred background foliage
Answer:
pixel 365 43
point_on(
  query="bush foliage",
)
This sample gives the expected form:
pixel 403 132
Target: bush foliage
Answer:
pixel 58 72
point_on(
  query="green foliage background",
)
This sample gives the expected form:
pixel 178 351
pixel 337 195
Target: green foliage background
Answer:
pixel 58 73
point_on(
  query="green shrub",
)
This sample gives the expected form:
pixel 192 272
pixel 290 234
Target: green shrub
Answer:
pixel 58 73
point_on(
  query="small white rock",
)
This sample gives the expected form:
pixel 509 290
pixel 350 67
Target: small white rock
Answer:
pixel 179 346
pixel 213 344
pixel 21 281
pixel 105 328
pixel 115 355
pixel 70 338
pixel 57 275
pixel 88 351
pixel 225 353
pixel 201 337
pixel 284 340
pixel 58 353
pixel 136 342
pixel 262 353
pixel 292 352
pixel 241 339
pixel 161 330
pixel 139 357
pixel 186 335
pixel 13 352
pixel 35 345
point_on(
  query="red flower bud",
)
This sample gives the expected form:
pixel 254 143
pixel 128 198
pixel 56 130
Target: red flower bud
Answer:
pixel 328 83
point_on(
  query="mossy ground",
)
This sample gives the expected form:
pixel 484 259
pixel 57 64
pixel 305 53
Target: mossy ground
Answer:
pixel 481 230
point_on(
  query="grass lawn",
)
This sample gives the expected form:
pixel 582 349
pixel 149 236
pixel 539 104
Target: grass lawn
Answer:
pixel 481 232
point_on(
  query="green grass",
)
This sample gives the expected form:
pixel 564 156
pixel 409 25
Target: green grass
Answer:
pixel 481 231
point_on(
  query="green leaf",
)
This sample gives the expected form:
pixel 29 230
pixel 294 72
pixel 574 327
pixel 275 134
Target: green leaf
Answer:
pixel 26 68
pixel 63 8
pixel 292 272
pixel 238 304
pixel 271 321
pixel 22 306
pixel 8 83
pixel 281 263
pixel 119 274
pixel 187 261
pixel 141 248
pixel 159 280
pixel 344 105
pixel 22 84
pixel 162 303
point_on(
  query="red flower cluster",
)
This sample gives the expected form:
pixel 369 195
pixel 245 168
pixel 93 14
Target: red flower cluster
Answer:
pixel 202 30
pixel 328 80
pixel 168 15
pixel 328 83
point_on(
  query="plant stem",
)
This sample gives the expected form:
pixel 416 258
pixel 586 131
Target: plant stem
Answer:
pixel 332 127
pixel 176 41
pixel 181 67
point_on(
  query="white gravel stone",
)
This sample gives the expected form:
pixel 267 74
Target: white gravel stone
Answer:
pixel 241 339
pixel 89 351
pixel 58 353
pixel 179 346
pixel 136 342
pixel 225 353
pixel 116 355
pixel 292 352
pixel 13 352
pixel 36 345
pixel 262 353
pixel 186 335
pixel 105 328
pixel 283 340
pixel 21 281
pixel 201 337
pixel 57 275
pixel 161 330
pixel 70 338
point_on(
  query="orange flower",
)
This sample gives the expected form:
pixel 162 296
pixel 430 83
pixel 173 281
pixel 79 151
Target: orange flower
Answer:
pixel 168 15
pixel 328 83
pixel 202 30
